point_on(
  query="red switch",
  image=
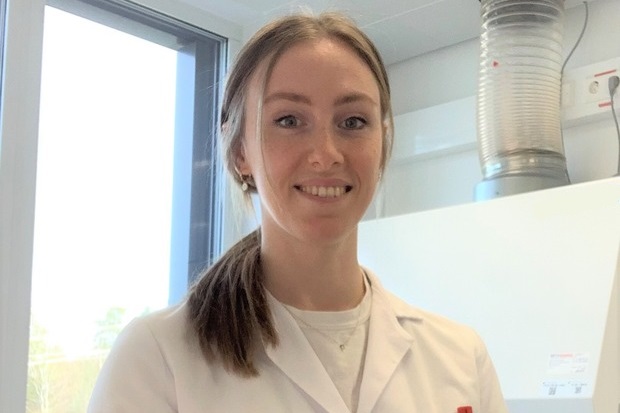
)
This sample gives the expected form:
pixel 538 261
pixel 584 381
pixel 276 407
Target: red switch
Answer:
pixel 464 409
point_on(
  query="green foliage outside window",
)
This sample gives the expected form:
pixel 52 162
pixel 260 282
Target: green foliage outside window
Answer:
pixel 59 384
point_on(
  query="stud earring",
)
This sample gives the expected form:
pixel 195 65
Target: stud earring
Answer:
pixel 246 182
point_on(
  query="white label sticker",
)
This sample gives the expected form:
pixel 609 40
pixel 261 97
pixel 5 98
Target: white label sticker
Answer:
pixel 565 388
pixel 568 363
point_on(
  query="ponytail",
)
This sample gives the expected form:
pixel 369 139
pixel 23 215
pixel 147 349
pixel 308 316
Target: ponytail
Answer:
pixel 228 308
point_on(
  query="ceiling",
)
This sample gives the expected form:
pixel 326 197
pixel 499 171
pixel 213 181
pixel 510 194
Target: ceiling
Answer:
pixel 401 29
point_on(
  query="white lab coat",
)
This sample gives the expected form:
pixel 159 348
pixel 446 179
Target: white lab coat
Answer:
pixel 416 362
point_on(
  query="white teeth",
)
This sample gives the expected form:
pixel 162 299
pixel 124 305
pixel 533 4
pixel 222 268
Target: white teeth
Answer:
pixel 324 191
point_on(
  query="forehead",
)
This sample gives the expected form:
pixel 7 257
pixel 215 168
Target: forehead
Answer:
pixel 324 53
pixel 306 63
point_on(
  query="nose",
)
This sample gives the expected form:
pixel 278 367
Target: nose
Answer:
pixel 325 151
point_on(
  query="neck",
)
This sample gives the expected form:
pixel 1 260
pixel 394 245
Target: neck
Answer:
pixel 311 277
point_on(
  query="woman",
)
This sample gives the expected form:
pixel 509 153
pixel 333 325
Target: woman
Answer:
pixel 287 320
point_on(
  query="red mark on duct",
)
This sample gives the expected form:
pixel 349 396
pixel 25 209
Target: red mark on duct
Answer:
pixel 605 73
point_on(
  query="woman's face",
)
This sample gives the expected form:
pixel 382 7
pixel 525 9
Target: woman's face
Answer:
pixel 318 164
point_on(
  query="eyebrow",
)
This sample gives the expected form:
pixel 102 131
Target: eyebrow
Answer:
pixel 355 97
pixel 298 98
pixel 293 97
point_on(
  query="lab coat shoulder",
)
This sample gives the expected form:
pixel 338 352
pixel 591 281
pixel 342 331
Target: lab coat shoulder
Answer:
pixel 449 358
pixel 426 326
pixel 157 366
pixel 137 374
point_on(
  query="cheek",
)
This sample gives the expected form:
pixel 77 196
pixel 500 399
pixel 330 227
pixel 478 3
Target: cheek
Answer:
pixel 279 163
pixel 372 157
pixel 273 164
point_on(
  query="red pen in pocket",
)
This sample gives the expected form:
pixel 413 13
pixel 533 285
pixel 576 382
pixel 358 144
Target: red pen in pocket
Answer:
pixel 464 409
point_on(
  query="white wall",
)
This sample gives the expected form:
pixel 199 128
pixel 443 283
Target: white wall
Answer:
pixel 449 75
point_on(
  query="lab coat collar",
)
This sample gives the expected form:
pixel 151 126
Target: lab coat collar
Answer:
pixel 296 358
pixel 388 343
pixel 401 309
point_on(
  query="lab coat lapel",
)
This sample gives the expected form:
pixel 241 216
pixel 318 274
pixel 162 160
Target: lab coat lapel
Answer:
pixel 296 358
pixel 388 343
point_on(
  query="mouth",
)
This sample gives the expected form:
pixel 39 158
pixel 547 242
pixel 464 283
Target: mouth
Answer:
pixel 325 191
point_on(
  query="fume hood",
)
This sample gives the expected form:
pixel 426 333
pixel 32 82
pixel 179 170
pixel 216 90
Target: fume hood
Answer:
pixel 535 274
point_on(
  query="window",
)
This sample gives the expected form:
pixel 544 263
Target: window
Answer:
pixel 128 204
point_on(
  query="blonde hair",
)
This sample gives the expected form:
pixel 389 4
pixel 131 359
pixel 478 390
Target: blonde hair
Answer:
pixel 227 306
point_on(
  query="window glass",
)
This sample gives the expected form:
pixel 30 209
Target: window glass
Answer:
pixel 119 147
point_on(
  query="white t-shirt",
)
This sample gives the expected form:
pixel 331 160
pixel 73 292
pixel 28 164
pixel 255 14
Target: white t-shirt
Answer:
pixel 327 332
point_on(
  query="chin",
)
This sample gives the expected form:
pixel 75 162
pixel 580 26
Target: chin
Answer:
pixel 330 233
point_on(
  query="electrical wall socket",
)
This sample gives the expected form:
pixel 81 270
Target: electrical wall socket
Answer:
pixel 585 93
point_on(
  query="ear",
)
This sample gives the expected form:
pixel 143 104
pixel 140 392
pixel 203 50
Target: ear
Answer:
pixel 386 128
pixel 241 164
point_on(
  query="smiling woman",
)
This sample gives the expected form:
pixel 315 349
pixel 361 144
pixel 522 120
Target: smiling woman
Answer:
pixel 287 319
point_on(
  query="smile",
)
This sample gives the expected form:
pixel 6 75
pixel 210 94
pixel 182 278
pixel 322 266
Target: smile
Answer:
pixel 325 191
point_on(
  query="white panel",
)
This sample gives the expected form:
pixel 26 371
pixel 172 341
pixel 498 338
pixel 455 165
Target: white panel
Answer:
pixel 434 129
pixel 591 151
pixel 431 183
pixel 430 145
pixel 440 24
pixel 397 43
pixel 536 274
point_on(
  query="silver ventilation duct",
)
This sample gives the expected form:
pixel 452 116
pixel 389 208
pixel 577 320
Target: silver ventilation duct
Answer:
pixel 519 135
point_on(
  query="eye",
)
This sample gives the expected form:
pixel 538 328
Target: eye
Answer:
pixel 288 121
pixel 353 122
